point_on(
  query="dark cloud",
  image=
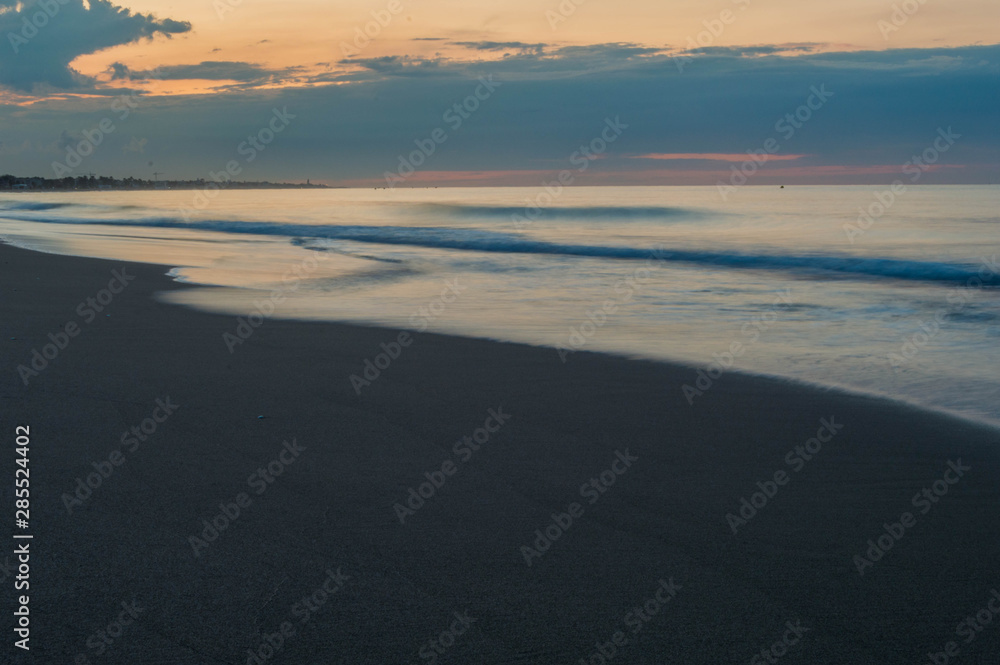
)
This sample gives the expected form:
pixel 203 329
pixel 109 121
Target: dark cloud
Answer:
pixel 611 51
pixel 402 65
pixel 43 43
pixel 634 60
pixel 66 140
pixel 886 106
pixel 119 71
pixel 209 70
pixel 751 51
pixel 503 46
pixel 538 61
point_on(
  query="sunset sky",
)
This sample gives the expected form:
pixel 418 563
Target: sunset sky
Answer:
pixel 697 84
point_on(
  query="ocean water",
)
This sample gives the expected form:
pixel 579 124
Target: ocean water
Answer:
pixel 852 286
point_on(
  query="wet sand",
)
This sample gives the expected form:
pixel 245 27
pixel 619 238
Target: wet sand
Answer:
pixel 295 537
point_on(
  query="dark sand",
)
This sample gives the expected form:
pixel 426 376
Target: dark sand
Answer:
pixel 332 508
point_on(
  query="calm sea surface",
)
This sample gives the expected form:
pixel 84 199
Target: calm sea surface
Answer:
pixel 786 282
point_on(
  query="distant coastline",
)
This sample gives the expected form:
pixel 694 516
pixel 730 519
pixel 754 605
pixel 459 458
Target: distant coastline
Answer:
pixel 12 183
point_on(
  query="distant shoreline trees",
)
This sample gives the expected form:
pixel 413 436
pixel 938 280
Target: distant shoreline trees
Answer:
pixel 107 183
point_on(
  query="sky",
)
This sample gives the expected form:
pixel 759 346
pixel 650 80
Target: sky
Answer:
pixel 417 93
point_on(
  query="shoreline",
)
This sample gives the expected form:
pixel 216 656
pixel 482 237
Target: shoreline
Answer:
pixel 681 364
pixel 507 540
pixel 533 185
pixel 792 382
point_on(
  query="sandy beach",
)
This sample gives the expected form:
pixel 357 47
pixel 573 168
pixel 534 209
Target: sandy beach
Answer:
pixel 195 501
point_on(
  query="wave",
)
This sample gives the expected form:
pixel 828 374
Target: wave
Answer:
pixel 530 212
pixel 31 205
pixel 504 243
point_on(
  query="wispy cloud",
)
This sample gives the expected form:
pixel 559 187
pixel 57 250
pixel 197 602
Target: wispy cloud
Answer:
pixel 209 70
pixel 523 47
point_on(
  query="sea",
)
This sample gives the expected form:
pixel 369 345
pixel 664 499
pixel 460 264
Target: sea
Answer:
pixel 872 289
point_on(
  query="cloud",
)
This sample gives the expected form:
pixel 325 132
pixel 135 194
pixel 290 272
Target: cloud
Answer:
pixel 67 140
pixel 135 145
pixel 14 149
pixel 503 46
pixel 532 60
pixel 45 39
pixel 546 62
pixel 119 71
pixel 752 51
pixel 887 107
pixel 209 70
pixel 618 51
pixel 402 65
